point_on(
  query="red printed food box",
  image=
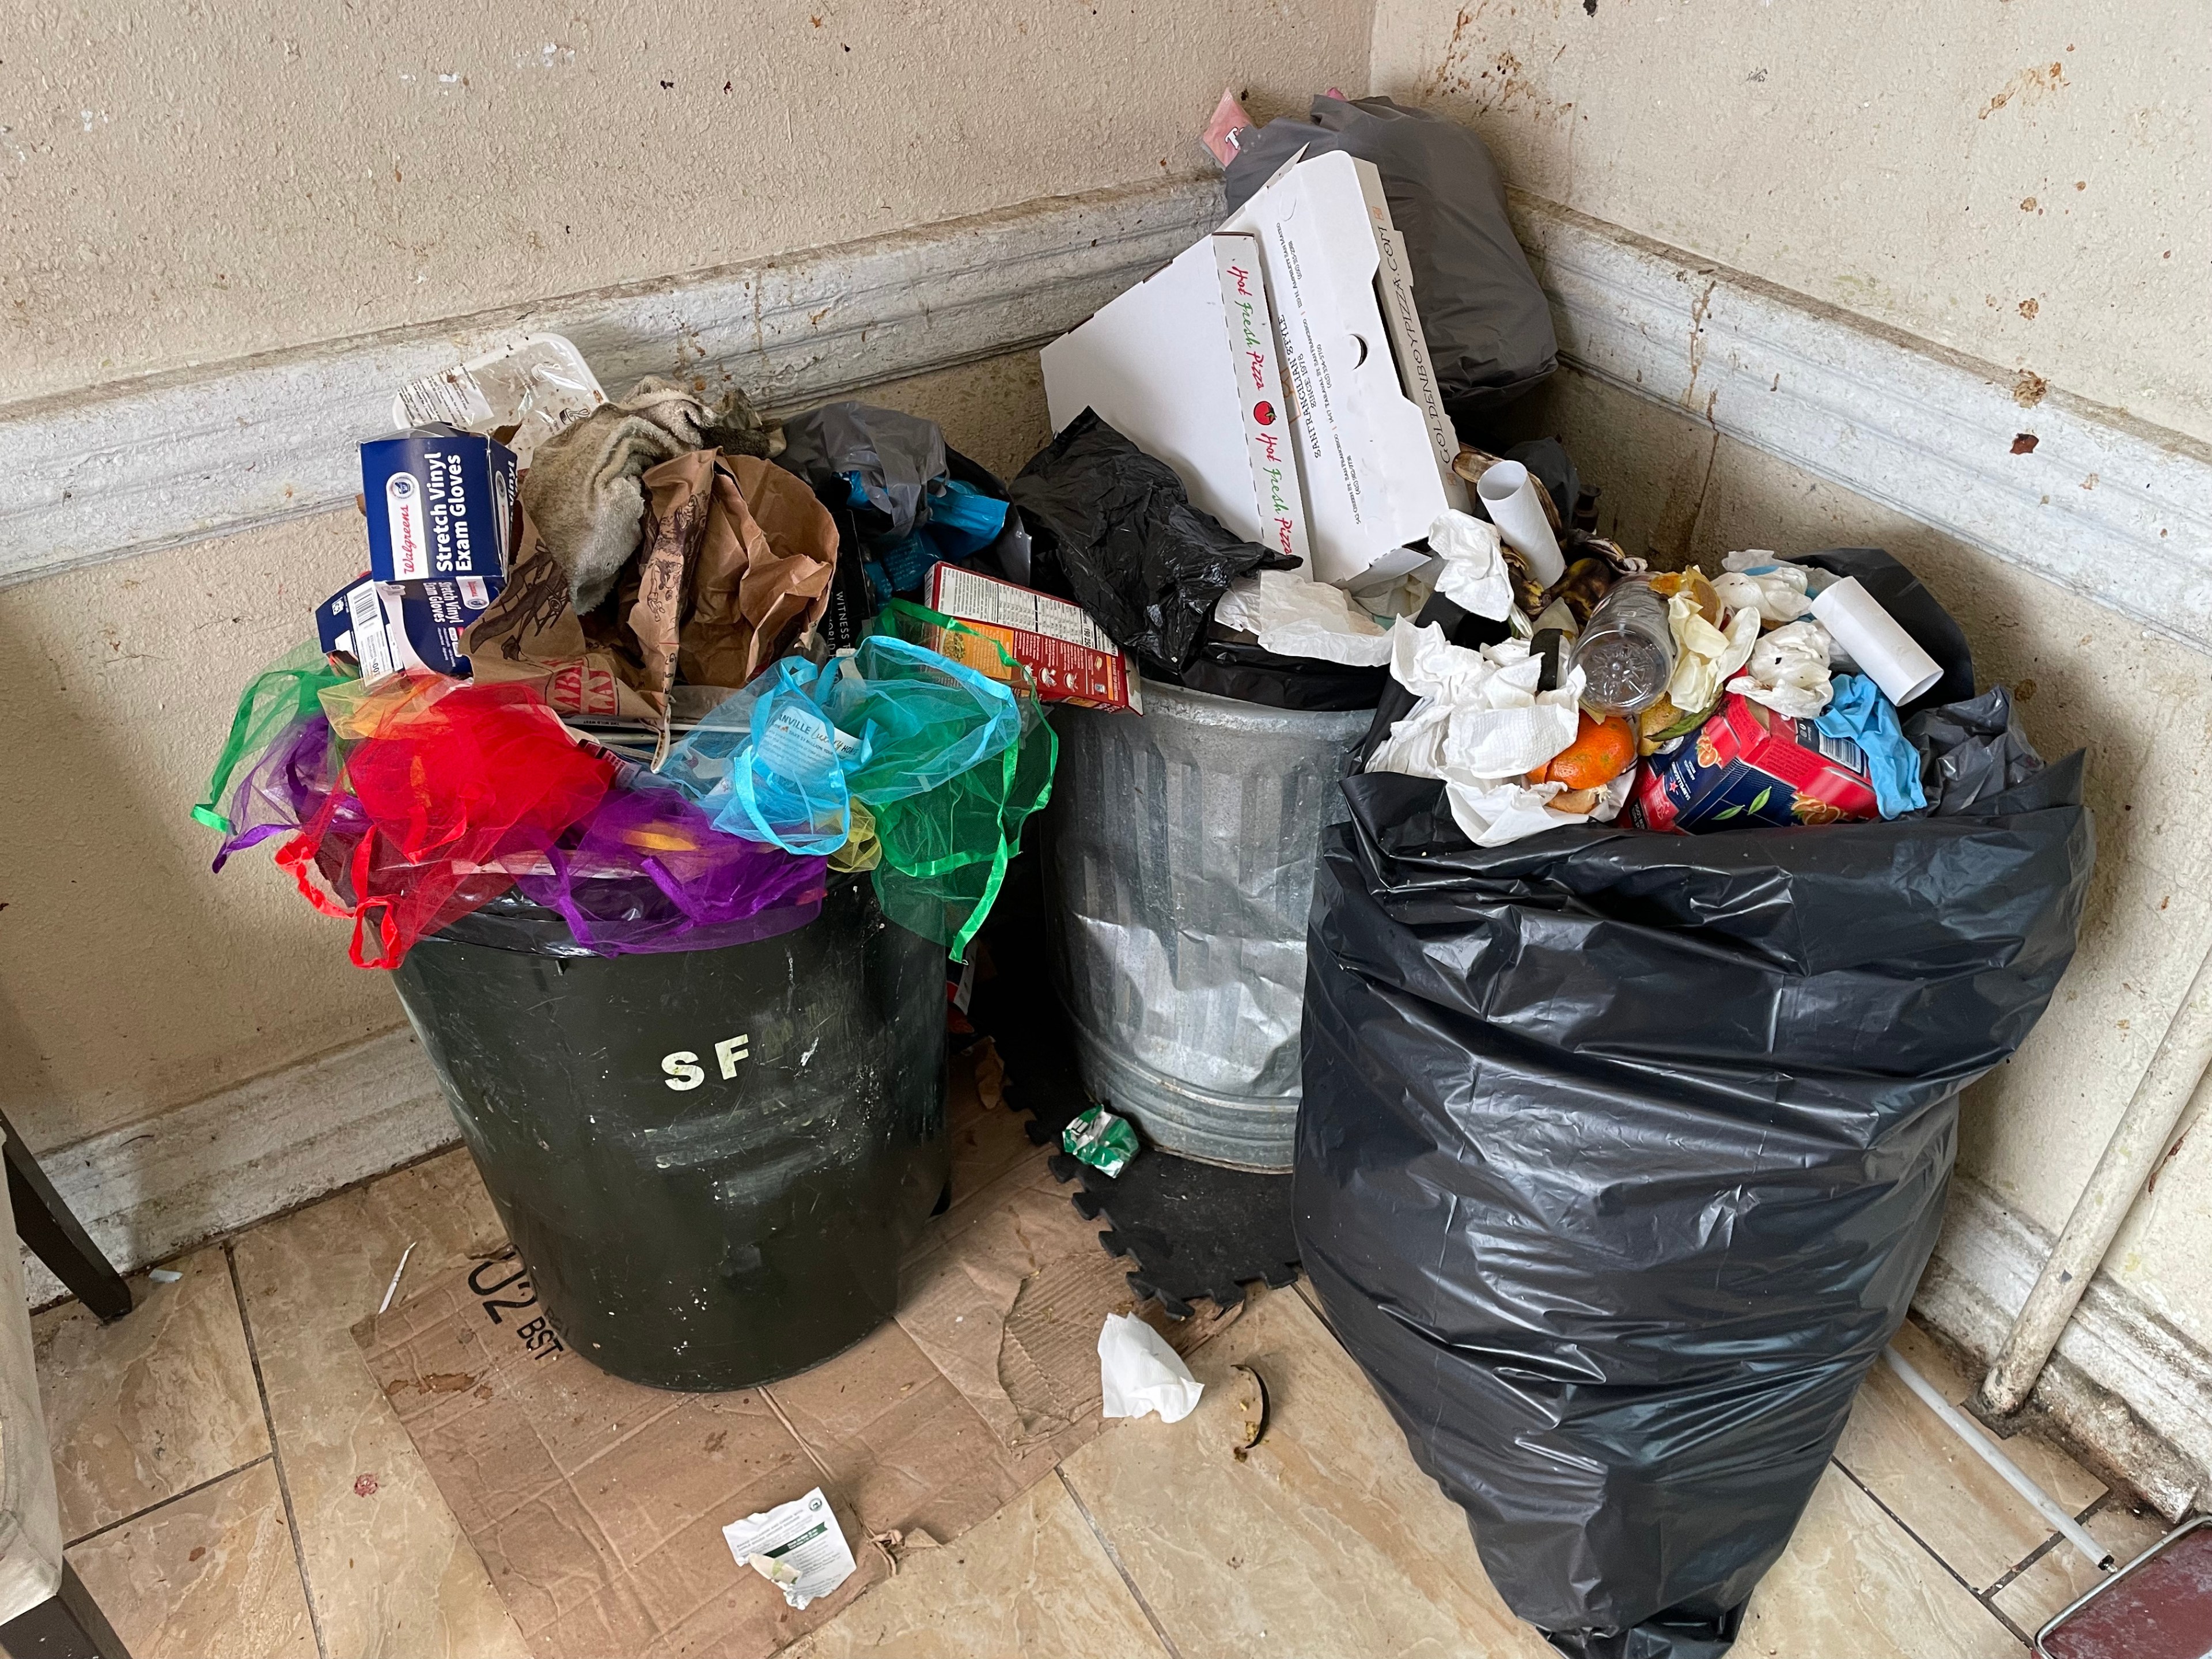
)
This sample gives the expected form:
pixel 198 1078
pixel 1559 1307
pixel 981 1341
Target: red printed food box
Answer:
pixel 1069 656
pixel 1748 765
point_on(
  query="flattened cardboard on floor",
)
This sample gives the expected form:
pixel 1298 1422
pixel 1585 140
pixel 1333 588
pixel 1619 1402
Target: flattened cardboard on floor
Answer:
pixel 598 1504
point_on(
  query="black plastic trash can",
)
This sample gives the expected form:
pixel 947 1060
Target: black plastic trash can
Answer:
pixel 710 1161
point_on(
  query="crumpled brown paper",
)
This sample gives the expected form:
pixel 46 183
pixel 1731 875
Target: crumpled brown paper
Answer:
pixel 735 564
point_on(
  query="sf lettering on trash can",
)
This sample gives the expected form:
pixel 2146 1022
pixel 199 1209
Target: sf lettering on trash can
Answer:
pixel 684 1071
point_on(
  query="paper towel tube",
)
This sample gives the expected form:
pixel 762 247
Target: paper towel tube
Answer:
pixel 1509 496
pixel 1887 653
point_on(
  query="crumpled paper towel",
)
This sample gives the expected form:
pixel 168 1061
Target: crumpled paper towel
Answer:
pixel 1778 595
pixel 1481 717
pixel 1705 656
pixel 1138 1372
pixel 1482 726
pixel 1294 616
pixel 1475 576
pixel 1789 672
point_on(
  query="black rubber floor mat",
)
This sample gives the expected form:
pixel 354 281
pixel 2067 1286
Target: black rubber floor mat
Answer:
pixel 1191 1230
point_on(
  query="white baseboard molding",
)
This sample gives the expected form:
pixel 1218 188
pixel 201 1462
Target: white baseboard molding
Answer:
pixel 146 464
pixel 160 1186
pixel 2106 505
pixel 2132 1390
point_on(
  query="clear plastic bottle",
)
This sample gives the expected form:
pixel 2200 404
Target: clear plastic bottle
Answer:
pixel 1626 652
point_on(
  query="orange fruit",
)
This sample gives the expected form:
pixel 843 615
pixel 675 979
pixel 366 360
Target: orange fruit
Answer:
pixel 1601 751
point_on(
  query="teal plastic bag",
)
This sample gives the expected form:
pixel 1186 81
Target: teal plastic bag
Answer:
pixel 949 762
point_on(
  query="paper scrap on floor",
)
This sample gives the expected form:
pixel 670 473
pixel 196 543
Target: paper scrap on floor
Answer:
pixel 598 1505
pixel 1138 1372
pixel 797 1546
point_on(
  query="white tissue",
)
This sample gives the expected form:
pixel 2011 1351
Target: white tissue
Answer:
pixel 1138 1372
pixel 1296 616
pixel 1778 595
pixel 1491 815
pixel 1705 656
pixel 1475 576
pixel 1790 671
pixel 1482 718
pixel 1481 725
pixel 1751 558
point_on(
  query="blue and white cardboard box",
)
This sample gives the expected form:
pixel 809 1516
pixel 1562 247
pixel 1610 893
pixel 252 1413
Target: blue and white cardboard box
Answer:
pixel 386 627
pixel 441 506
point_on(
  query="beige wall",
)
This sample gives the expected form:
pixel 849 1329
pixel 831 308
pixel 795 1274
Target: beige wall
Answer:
pixel 1881 157
pixel 184 183
pixel 2026 180
pixel 187 183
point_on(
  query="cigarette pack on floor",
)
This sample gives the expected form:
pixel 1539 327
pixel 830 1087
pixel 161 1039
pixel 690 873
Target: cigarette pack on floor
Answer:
pixel 1185 366
pixel 1748 765
pixel 1069 656
pixel 385 627
pixel 441 506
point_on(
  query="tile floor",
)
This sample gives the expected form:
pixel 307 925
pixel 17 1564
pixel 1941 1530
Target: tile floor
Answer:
pixel 235 1485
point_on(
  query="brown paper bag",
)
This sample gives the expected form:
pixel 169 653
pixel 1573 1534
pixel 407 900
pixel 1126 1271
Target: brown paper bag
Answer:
pixel 736 561
pixel 531 635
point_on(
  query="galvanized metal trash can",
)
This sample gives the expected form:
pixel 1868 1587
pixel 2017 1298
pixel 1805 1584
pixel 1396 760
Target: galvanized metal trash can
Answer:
pixel 1180 870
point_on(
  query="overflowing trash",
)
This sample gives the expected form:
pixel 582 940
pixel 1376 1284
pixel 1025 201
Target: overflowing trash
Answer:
pixel 1621 1148
pixel 597 693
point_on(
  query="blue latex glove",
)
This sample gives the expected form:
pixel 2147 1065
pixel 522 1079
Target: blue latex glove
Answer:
pixel 1861 713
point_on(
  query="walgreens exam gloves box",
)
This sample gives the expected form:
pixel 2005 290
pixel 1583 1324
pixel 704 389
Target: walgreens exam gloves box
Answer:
pixel 385 627
pixel 441 506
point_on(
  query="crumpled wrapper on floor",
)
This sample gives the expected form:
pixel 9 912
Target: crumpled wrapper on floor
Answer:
pixel 736 561
pixel 1138 1372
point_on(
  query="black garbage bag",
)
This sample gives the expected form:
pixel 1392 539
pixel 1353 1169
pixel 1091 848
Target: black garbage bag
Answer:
pixel 1621 1154
pixel 1487 323
pixel 1251 673
pixel 1113 526
pixel 894 454
pixel 1970 750
pixel 902 501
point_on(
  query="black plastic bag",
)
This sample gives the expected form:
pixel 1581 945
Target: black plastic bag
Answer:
pixel 1621 1154
pixel 1249 673
pixel 852 601
pixel 1970 750
pixel 894 455
pixel 1115 526
pixel 1487 323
